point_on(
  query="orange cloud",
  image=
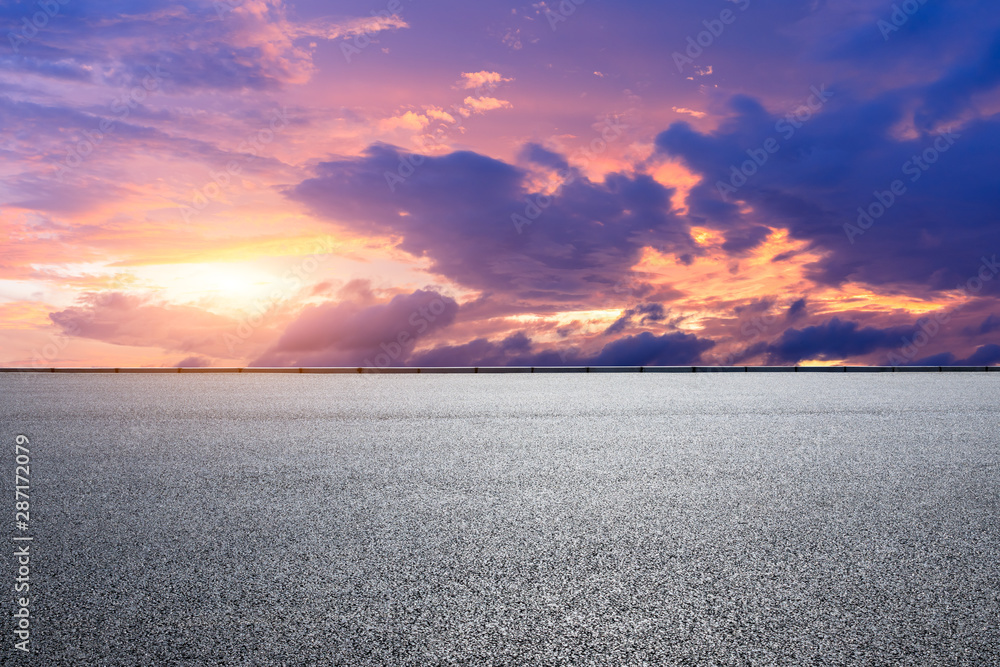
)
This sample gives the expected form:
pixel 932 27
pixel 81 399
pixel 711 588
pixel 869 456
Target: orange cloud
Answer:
pixel 407 121
pixel 488 80
pixel 131 320
pixel 484 104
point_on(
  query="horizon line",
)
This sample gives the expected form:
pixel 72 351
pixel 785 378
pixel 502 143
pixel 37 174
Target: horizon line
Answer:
pixel 413 370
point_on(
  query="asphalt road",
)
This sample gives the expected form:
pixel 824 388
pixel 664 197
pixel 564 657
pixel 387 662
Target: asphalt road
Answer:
pixel 509 519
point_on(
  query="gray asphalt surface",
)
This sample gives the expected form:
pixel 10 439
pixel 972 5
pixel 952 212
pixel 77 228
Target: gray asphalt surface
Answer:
pixel 495 520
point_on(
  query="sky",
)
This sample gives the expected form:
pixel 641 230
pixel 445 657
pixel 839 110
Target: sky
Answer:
pixel 450 183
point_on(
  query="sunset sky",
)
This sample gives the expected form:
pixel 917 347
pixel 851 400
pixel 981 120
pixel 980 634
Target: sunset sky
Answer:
pixel 424 182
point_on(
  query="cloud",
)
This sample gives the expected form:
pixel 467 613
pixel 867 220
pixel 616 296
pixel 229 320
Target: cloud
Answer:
pixel 67 71
pixel 436 113
pixel 952 93
pixel 407 121
pixel 327 29
pixel 124 319
pixel 484 104
pixel 797 310
pixel 985 355
pixel 478 352
pixel 512 39
pixel 645 349
pixel 251 44
pixel 361 331
pixel 480 80
pixel 538 154
pixel 649 312
pixel 195 361
pixel 461 212
pixel 834 340
pixel 696 114
pixel 840 160
pixel 480 223
pixel 742 241
pixel 989 325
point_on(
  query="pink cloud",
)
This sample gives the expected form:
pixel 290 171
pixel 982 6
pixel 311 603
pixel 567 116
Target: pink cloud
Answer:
pixel 124 319
pixel 360 331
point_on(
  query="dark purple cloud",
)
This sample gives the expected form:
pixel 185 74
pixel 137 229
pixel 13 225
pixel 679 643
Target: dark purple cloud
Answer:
pixel 847 157
pixel 647 349
pixel 644 313
pixel 985 355
pixel 478 352
pixel 797 310
pixel 741 241
pixel 989 325
pixel 947 97
pixel 538 154
pixel 644 349
pixel 459 211
pixel 834 340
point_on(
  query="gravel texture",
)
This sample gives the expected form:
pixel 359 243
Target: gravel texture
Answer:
pixel 509 519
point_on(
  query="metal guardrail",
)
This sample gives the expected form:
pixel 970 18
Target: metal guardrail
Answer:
pixel 528 369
